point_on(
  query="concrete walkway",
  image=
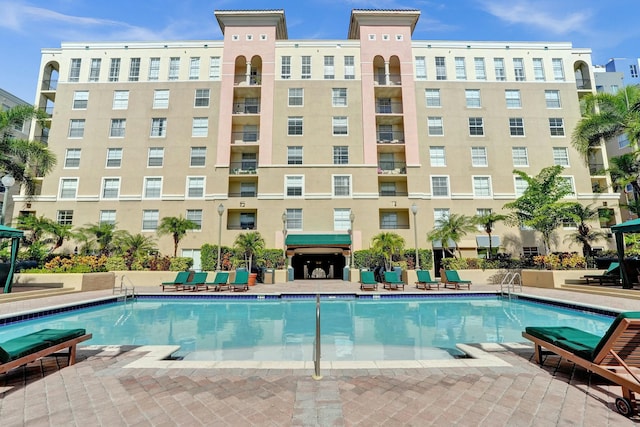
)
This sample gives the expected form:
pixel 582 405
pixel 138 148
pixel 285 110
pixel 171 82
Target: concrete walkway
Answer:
pixel 101 390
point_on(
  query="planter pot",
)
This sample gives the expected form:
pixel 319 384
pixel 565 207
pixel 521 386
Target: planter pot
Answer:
pixel 252 278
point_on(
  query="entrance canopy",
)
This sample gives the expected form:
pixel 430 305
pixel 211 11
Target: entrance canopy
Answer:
pixel 14 235
pixel 632 226
pixel 318 240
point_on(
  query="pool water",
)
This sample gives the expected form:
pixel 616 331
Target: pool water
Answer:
pixel 352 329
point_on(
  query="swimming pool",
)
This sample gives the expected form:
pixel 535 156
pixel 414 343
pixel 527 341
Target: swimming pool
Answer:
pixel 284 329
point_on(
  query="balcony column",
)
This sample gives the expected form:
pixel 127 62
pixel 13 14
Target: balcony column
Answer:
pixel 247 75
pixel 387 75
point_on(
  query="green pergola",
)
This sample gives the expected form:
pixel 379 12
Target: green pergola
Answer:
pixel 632 226
pixel 15 236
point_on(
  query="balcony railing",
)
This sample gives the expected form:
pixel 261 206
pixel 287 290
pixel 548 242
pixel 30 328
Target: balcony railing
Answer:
pixel 245 167
pixel 385 137
pixel 394 226
pixel 242 226
pixel 392 168
pixel 244 194
pixel 47 110
pixel 596 168
pixel 246 108
pixel 251 80
pixel 393 193
pixel 50 84
pixel 394 80
pixel 42 138
pixel 245 137
pixel 583 84
pixel 386 108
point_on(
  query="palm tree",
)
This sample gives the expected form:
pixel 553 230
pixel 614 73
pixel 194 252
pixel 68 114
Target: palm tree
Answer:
pixel 177 227
pixel 101 234
pixel 452 228
pixel 249 244
pixel 488 221
pixel 59 233
pixel 24 160
pixel 585 234
pixel 37 226
pixel 625 170
pixel 135 244
pixel 387 244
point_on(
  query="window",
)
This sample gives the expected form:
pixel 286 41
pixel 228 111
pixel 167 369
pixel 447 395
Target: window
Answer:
pixel 250 133
pixel 248 189
pixel 305 71
pixel 623 141
pixel 530 251
pixel 440 186
pixel 214 68
pixel 388 220
pixel 195 216
pixel 512 97
pixel 383 106
pixel 134 70
pixel 339 97
pixel 114 70
pixel 285 68
pixel 481 72
pixel 421 68
pixel 150 219
pixel 294 126
pixel 65 217
pixel 476 126
pixel 68 188
pixel 633 71
pixel 76 128
pixel 294 155
pixel 538 69
pixel 294 219
pixel 80 99
pixel 570 185
pixel 107 217
pixel 120 100
pixel 174 68
pixel 340 125
pixel 556 126
pixel 552 97
pixel 342 185
pixel 437 156
pixel 561 156
pixel 432 97
pixel 198 156
pixel 72 158
pixel 520 156
pixel 200 127
pixel 349 68
pixel 435 126
pixel 516 126
pixel 294 185
pixel 154 69
pixel 482 186
pixel 155 157
pixel 201 98
pixel 498 66
pixel 340 155
pixel 518 69
pixel 614 89
pixel 94 71
pixel 194 68
pixel 473 98
pixel 520 186
pixel 558 69
pixel 114 157
pixel 74 70
pixel 195 186
pixel 247 220
pixel 296 97
pixel 159 127
pixel 341 220
pixel 441 69
pixel 110 188
pixel 440 215
pixel 152 187
pixel 329 69
pixel 117 127
pixel 385 133
pixel 479 157
pixel 461 70
pixel 388 189
pixel 249 161
pixel 161 98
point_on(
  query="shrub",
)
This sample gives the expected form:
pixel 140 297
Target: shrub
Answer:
pixel 562 261
pixel 180 264
pixel 77 264
pixel 115 263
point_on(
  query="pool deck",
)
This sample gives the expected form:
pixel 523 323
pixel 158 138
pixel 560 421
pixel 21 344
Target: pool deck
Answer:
pixel 108 386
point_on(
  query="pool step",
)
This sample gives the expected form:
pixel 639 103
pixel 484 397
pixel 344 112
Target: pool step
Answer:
pixel 40 293
pixel 603 290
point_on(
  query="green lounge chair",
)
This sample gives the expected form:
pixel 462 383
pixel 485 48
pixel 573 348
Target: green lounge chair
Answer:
pixel 611 275
pixel 197 283
pixel 241 282
pixel 425 281
pixel 392 282
pixel 452 278
pixel 178 282
pixel 219 282
pixel 615 356
pixel 368 281
pixel 25 349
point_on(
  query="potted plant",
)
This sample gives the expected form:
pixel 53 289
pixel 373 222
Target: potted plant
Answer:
pixel 249 244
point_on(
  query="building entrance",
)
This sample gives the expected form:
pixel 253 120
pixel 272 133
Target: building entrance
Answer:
pixel 317 266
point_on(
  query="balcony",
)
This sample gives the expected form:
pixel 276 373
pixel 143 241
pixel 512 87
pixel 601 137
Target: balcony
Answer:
pixel 246 107
pixel 245 137
pixel 388 108
pixel 583 84
pixel 394 226
pixel 395 137
pixel 596 169
pixel 48 110
pixel 247 80
pixel 245 167
pixel 394 80
pixel 393 193
pixel 48 85
pixel 392 168
pixel 244 194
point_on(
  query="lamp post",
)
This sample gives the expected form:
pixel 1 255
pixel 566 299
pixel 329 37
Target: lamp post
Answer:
pixel 352 217
pixel 414 211
pixel 220 212
pixel 7 182
pixel 284 237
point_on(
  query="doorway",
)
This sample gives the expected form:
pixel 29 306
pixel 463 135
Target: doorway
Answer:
pixel 317 266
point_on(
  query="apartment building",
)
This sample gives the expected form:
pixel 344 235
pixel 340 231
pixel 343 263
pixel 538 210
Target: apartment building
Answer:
pixel 317 144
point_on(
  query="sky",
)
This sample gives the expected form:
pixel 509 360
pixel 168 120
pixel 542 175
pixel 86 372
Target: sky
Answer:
pixel 609 27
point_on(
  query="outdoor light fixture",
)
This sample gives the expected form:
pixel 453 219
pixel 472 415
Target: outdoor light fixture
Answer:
pixel 352 217
pixel 7 182
pixel 220 212
pixel 284 236
pixel 414 211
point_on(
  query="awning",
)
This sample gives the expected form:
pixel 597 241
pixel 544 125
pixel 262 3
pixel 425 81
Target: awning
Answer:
pixel 318 239
pixel 483 241
pixel 437 244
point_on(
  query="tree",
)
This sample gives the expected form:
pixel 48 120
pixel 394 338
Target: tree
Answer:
pixel 249 244
pixel 540 207
pixel 24 160
pixel 585 234
pixel 135 244
pixel 177 227
pixel 452 228
pixel 59 233
pixel 387 244
pixel 488 221
pixel 625 170
pixel 101 235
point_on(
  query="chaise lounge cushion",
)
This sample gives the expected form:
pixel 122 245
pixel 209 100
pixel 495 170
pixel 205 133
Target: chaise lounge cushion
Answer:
pixel 23 346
